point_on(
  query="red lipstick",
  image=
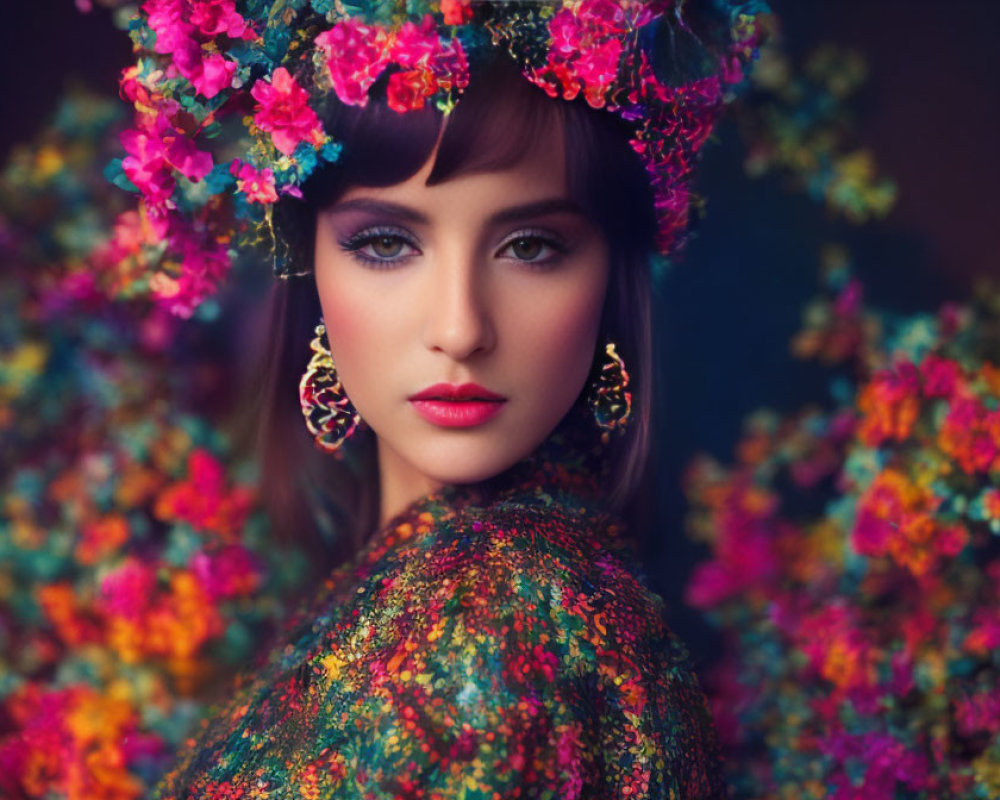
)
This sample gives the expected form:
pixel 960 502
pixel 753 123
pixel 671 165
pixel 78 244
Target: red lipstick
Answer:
pixel 457 405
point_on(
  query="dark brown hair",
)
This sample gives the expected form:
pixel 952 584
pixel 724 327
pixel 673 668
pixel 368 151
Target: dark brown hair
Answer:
pixel 332 503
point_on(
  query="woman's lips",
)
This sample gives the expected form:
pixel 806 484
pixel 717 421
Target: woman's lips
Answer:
pixel 456 391
pixel 457 413
pixel 457 405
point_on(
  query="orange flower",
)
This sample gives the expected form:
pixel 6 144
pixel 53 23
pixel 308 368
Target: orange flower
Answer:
pixel 896 517
pixel 101 538
pixel 64 611
pixel 889 405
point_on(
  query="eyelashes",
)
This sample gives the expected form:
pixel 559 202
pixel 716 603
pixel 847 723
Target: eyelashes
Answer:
pixel 356 244
pixel 381 247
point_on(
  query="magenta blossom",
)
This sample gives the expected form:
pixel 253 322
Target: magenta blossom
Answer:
pixel 356 55
pixel 586 47
pixel 154 152
pixel 202 266
pixel 215 17
pixel 181 26
pixel 978 713
pixel 941 376
pixel 283 111
pixel 886 760
pixel 257 185
pixel 209 74
pixel 416 45
pixel 128 590
pixel 168 20
pixel 231 571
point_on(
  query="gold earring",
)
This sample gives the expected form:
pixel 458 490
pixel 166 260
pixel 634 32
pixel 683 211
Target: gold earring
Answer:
pixel 328 412
pixel 608 395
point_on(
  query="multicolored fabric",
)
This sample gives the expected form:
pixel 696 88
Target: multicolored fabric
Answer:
pixel 492 640
pixel 230 97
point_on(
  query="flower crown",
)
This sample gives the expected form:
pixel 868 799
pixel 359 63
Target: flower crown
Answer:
pixel 229 96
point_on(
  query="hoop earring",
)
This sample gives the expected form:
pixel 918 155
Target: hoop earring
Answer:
pixel 328 412
pixel 608 395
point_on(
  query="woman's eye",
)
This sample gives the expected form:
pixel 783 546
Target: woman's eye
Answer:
pixel 387 246
pixel 377 247
pixel 529 248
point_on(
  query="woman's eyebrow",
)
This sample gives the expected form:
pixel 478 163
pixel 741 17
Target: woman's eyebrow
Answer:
pixel 554 205
pixel 539 208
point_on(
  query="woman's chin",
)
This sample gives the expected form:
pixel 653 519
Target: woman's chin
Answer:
pixel 467 462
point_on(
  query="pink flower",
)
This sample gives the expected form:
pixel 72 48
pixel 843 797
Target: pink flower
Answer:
pixel 231 571
pixel 283 111
pixel 181 154
pixel 710 584
pixel 214 17
pixel 179 24
pixel 970 434
pixel 168 20
pixel 201 266
pixel 154 151
pixel 128 590
pixel 871 533
pixel 356 55
pixel 941 376
pixel 146 165
pixel 586 46
pixel 414 45
pixel 978 713
pixel 257 185
pixel 72 742
pixel 745 556
pixel 886 760
pixel 597 69
pixel 209 75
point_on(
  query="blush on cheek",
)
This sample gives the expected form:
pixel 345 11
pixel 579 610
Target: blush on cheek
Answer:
pixel 345 322
pixel 339 297
pixel 565 344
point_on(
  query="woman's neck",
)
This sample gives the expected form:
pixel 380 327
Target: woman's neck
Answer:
pixel 400 483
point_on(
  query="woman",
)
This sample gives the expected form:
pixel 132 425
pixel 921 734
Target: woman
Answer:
pixel 481 270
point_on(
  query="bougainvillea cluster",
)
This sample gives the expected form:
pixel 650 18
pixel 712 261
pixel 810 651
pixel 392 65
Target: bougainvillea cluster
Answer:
pixel 229 99
pixel 135 570
pixel 855 566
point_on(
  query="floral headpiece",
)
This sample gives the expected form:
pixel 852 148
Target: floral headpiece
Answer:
pixel 229 96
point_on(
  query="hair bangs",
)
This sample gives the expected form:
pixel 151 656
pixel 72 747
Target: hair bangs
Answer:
pixel 495 123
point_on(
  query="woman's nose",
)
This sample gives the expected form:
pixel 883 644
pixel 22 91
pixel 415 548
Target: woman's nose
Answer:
pixel 458 319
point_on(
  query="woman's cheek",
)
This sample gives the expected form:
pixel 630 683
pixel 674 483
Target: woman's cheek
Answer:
pixel 349 332
pixel 564 342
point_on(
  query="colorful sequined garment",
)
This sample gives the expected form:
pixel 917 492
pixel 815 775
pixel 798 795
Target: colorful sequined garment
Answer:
pixel 491 641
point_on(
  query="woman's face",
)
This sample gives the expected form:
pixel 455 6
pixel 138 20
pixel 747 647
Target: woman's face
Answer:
pixel 494 278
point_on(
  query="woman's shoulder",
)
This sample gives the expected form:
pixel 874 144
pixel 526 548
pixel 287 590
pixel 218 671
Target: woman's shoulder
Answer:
pixel 481 650
pixel 560 575
pixel 545 599
pixel 527 546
